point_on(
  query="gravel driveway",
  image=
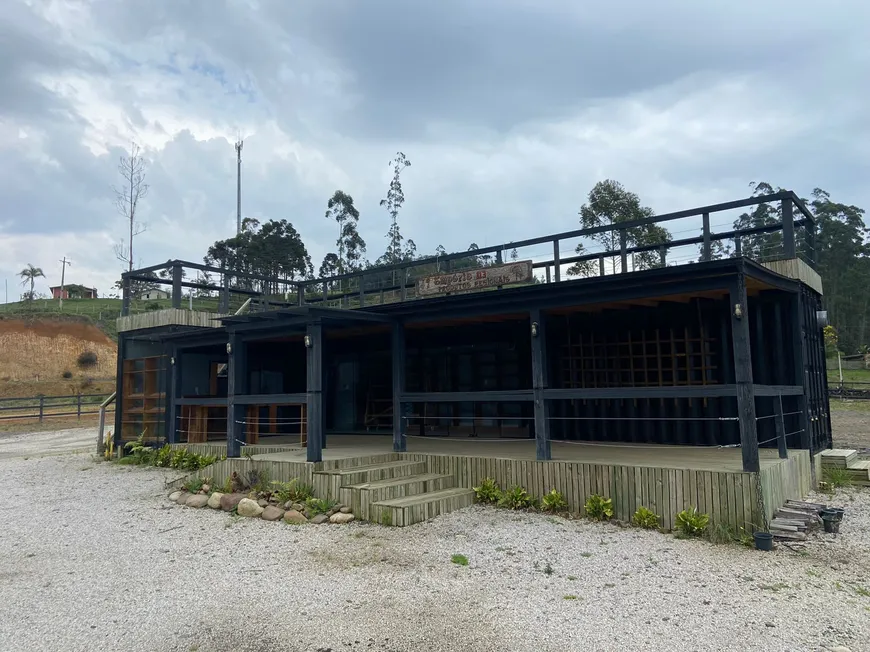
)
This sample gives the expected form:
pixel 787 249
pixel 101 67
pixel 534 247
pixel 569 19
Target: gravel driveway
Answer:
pixel 95 558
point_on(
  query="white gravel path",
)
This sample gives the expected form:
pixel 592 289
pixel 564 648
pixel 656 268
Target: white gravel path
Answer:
pixel 95 558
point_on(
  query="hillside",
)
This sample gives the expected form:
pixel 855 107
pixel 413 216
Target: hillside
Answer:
pixel 36 353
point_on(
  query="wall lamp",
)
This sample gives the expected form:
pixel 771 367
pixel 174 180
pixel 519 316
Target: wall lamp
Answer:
pixel 738 311
pixel 307 340
pixel 229 349
pixel 172 361
pixel 534 329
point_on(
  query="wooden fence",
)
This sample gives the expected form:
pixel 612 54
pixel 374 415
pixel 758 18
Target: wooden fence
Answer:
pixel 43 407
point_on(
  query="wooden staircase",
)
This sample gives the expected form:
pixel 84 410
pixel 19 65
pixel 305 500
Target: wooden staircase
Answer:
pixel 842 458
pixel 398 492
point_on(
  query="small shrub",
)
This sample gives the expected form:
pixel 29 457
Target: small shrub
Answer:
pixel 720 534
pixel 227 486
pixel 87 382
pixel 153 305
pixel 516 498
pixel 319 505
pixel 386 517
pixel 67 374
pixel 139 452
pixel 194 485
pixel 569 597
pixel 554 501
pixel 645 518
pixel 690 523
pixel 87 360
pixel 488 492
pixel 459 560
pixel 164 455
pixel 548 569
pixel 837 477
pixel 599 508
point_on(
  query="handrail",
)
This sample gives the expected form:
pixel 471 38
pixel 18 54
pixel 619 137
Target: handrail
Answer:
pixel 101 443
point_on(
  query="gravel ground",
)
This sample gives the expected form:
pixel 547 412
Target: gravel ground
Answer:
pixel 97 559
pixel 23 444
pixel 851 428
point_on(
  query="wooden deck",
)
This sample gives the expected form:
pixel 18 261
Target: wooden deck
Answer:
pixel 666 479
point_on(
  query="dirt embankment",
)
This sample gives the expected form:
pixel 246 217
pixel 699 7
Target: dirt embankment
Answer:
pixel 37 354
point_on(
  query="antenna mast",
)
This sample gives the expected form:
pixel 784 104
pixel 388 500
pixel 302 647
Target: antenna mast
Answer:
pixel 239 144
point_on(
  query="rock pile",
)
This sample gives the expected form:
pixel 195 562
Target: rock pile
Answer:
pixel 266 508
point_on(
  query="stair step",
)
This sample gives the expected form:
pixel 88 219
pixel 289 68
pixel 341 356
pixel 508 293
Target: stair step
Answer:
pixel 415 509
pixel 328 483
pixel 360 497
pixel 839 457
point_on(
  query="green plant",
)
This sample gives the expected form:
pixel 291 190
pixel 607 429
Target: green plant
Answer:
pixel 86 360
pixel 488 492
pixel 163 456
pixel 139 451
pixel 459 560
pixel 548 569
pixel 554 501
pixel 645 518
pixel 386 517
pixel 569 597
pixel 284 491
pixel 319 505
pixel 691 523
pixel 67 374
pixel 516 498
pixel 194 485
pixel 227 486
pixel 720 534
pixel 599 508
pixel 746 539
pixel 837 477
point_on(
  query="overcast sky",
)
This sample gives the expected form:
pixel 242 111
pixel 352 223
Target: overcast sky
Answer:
pixel 509 111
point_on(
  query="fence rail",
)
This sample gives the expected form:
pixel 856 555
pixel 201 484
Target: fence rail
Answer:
pixel 43 407
pixel 851 390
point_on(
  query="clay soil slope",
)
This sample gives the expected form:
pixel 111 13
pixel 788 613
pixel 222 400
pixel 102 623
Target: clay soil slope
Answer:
pixel 35 354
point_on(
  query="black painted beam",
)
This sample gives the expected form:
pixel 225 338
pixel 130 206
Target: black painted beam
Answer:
pixel 780 429
pixel 119 389
pixel 237 369
pixel 173 393
pixel 743 373
pixel 399 368
pixel 681 391
pixel 271 399
pixel 464 397
pixel 539 384
pixel 314 373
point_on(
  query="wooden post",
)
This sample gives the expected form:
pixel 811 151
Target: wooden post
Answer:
pixel 663 256
pixel 173 394
pixel 237 370
pixel 119 388
pixel 403 274
pixel 557 262
pixel 125 297
pixel 743 374
pixel 788 245
pixel 41 407
pixel 706 252
pixel 400 442
pixel 314 348
pixel 601 265
pixel 539 383
pixel 780 428
pixel 79 406
pixel 362 291
pixel 177 271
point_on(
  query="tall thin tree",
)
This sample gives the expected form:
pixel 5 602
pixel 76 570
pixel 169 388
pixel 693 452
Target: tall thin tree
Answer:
pixel 127 196
pixel 393 203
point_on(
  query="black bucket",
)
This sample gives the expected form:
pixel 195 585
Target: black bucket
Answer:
pixel 831 521
pixel 833 514
pixel 763 540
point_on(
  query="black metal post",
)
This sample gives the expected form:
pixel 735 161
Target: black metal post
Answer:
pixel 41 407
pixel 177 271
pixel 237 370
pixel 400 442
pixel 224 294
pixel 300 295
pixel 663 256
pixel 539 384
pixel 362 291
pixel 557 264
pixel 743 374
pixel 79 406
pixel 788 246
pixel 601 265
pixel 403 274
pixel 314 347
pixel 706 252
pixel 780 428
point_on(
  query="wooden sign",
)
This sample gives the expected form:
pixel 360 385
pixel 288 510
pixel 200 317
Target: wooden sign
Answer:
pixel 479 278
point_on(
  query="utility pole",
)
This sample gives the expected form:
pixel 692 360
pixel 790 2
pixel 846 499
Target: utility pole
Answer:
pixel 63 265
pixel 239 145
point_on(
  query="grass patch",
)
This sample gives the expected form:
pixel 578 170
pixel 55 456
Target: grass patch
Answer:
pixel 459 560
pixel 569 597
pixel 586 554
pixel 837 477
pixel 572 577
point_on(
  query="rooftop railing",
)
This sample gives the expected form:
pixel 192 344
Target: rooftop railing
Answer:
pixel 557 257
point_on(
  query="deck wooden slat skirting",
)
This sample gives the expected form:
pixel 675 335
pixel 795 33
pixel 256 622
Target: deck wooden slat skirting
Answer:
pixel 663 479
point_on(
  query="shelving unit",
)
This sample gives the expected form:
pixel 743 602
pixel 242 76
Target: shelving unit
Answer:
pixel 143 399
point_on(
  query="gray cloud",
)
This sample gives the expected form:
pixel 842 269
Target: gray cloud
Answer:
pixel 510 111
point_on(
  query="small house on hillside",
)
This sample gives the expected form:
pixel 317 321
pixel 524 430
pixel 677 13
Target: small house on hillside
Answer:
pixel 153 294
pixel 73 291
